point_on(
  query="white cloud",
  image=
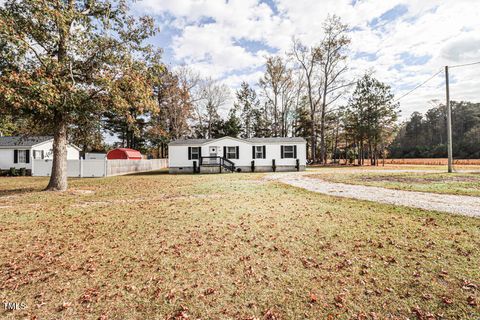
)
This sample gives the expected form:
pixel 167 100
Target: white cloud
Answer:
pixel 214 37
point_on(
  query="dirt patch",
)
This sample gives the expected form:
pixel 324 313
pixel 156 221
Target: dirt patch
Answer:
pixel 81 191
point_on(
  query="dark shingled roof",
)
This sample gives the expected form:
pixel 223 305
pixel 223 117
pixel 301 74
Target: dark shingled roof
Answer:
pixel 196 142
pixel 23 141
pixel 182 142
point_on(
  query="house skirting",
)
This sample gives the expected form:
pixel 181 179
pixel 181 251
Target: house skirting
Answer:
pixel 270 169
pixel 242 169
pixel 180 169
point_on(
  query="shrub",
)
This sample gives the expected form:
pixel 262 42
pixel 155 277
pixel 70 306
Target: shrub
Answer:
pixel 12 172
pixel 22 172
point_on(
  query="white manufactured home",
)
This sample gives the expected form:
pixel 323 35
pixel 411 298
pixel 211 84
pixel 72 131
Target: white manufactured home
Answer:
pixel 229 154
pixel 19 152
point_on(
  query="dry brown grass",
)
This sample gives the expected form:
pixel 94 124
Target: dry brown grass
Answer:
pixel 432 161
pixel 228 246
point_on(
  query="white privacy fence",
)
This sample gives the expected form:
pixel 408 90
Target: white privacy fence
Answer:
pixel 99 168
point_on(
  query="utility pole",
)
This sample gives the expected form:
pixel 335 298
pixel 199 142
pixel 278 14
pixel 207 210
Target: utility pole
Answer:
pixel 449 123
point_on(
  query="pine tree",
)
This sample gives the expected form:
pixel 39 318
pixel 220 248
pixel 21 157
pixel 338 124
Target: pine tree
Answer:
pixel 247 103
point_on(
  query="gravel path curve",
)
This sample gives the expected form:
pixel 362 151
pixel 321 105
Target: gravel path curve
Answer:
pixel 464 205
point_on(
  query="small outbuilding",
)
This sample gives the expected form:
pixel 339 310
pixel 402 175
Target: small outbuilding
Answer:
pixel 124 154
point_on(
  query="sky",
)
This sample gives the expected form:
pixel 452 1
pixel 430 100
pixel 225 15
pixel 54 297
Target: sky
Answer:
pixel 403 42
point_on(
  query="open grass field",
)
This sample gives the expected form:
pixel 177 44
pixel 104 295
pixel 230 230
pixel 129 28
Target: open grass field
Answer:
pixel 436 182
pixel 231 246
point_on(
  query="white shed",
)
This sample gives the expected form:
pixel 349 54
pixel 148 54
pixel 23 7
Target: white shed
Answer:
pixel 19 151
pixel 233 154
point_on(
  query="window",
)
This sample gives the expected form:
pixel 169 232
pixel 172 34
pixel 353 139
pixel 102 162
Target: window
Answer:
pixel 37 154
pixel 195 153
pixel 288 152
pixel 232 153
pixel 259 152
pixel 22 156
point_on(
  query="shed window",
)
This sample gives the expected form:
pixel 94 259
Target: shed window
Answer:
pixel 288 152
pixel 232 153
pixel 38 154
pixel 195 153
pixel 22 156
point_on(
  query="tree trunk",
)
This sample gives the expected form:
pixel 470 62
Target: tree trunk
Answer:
pixel 58 178
pixel 314 137
pixel 323 148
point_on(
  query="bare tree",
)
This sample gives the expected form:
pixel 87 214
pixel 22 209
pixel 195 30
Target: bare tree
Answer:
pixel 299 94
pixel 191 81
pixel 323 66
pixel 332 67
pixel 278 88
pixel 308 60
pixel 213 95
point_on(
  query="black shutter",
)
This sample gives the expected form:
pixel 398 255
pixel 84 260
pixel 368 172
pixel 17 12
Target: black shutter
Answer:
pixel 27 156
pixel 237 149
pixel 264 152
pixel 253 152
pixel 295 152
pixel 189 153
pixel 43 155
pixel 15 156
pixel 199 152
pixel 225 152
pixel 281 152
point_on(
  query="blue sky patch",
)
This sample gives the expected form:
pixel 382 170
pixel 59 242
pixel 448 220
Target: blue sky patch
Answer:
pixel 365 56
pixel 412 60
pixel 254 46
pixel 388 16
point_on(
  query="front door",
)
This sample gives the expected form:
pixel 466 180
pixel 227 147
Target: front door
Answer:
pixel 212 152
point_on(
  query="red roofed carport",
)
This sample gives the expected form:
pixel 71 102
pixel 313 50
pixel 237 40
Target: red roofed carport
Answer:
pixel 124 154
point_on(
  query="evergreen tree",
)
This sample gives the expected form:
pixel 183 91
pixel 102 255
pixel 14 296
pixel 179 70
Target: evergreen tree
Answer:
pixel 247 103
pixel 371 115
pixel 233 126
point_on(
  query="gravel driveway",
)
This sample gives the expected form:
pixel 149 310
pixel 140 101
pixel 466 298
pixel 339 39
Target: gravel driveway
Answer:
pixel 464 205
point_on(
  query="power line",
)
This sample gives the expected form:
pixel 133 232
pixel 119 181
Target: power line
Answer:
pixel 406 94
pixel 464 65
pixel 454 66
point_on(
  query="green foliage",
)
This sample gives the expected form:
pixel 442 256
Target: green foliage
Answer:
pixel 247 103
pixel 233 126
pixel 73 60
pixel 12 172
pixel 22 172
pixel 371 115
pixel 425 136
pixel 7 126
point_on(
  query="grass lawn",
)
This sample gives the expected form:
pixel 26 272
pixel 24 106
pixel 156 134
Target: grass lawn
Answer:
pixel 436 182
pixel 230 246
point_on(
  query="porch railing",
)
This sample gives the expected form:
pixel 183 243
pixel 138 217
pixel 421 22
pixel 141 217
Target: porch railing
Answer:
pixel 213 161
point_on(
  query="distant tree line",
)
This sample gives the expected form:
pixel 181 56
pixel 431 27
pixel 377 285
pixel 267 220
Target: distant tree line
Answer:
pixel 425 136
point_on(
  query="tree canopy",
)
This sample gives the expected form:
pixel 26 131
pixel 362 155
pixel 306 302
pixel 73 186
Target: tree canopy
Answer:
pixel 64 62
